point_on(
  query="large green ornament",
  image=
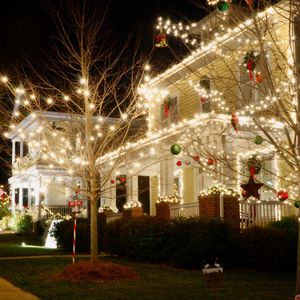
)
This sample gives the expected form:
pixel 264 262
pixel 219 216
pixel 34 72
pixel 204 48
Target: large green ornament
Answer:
pixel 258 140
pixel 222 6
pixel 297 204
pixel 175 149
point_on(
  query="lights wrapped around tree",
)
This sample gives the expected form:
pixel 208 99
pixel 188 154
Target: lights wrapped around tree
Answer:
pixel 175 149
pixel 250 60
pixel 132 204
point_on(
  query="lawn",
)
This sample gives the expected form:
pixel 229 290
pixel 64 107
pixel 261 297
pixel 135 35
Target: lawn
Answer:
pixel 11 245
pixel 154 282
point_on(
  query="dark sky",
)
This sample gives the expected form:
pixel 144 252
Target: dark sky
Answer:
pixel 26 30
pixel 25 25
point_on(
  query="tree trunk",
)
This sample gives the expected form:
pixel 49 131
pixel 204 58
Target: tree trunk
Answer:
pixel 94 233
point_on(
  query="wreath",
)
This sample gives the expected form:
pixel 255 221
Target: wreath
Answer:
pixel 250 60
pixel 254 165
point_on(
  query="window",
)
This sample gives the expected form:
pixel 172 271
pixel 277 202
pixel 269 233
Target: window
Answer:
pixel 169 110
pixel 204 91
pixel 253 84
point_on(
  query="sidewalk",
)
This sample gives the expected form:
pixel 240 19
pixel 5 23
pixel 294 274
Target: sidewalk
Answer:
pixel 11 292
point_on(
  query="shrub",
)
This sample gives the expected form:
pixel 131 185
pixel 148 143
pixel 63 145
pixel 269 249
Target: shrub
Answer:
pixel 183 242
pixel 268 249
pixel 23 223
pixel 63 232
pixel 288 224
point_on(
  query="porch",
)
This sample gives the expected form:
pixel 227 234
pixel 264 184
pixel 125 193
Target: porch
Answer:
pixel 252 213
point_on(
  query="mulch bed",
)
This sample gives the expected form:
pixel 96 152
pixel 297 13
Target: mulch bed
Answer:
pixel 88 271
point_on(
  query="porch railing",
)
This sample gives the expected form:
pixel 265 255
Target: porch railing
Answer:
pixel 264 212
pixel 62 210
pixel 251 214
pixel 184 210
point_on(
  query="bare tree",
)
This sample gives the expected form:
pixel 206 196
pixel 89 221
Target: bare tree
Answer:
pixel 90 81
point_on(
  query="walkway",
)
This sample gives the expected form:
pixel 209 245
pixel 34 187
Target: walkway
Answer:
pixel 11 292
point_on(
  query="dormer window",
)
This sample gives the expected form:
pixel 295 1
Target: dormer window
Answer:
pixel 204 91
pixel 253 74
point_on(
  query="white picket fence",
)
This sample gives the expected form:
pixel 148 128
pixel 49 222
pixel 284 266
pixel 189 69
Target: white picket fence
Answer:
pixel 258 213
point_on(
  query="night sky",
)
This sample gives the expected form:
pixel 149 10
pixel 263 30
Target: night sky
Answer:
pixel 26 30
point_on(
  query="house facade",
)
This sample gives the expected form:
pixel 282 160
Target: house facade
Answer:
pixel 205 105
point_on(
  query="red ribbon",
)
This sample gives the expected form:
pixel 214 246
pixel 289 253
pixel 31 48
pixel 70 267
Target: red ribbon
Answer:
pixel 166 111
pixel 252 171
pixel 250 68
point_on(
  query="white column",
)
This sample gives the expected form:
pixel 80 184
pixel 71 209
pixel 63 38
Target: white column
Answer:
pixel 21 198
pixel 21 148
pixel 13 151
pixel 167 177
pixel 109 194
pixel 13 200
pixel 132 188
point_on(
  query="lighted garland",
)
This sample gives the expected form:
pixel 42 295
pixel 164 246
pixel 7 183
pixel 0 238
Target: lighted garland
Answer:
pixel 168 199
pixel 106 208
pixel 132 204
pixel 217 190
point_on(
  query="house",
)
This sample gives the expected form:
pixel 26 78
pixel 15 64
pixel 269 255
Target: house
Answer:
pixel 204 104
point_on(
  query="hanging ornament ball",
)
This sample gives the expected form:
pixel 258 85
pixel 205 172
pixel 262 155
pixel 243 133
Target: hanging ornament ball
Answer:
pixel 210 161
pixel 282 195
pixel 258 140
pixel 175 149
pixel 222 6
pixel 259 78
pixel 112 181
pixel 297 204
pixel 196 158
pixel 179 163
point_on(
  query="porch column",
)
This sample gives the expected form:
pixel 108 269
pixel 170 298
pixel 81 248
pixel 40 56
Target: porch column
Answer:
pixel 21 198
pixel 109 194
pixel 21 148
pixel 13 151
pixel 167 177
pixel 13 200
pixel 132 188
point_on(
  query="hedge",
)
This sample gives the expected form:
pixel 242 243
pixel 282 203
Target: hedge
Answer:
pixel 190 242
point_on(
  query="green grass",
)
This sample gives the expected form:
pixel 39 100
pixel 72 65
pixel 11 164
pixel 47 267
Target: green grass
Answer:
pixel 10 245
pixel 155 282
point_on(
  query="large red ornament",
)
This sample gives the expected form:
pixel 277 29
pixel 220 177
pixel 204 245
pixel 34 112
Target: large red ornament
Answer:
pixel 282 195
pixel 235 122
pixel 210 161
pixel 196 158
pixel 179 163
pixel 259 78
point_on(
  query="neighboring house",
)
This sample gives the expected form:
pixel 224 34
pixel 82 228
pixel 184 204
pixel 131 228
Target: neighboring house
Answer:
pixel 36 183
pixel 191 104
